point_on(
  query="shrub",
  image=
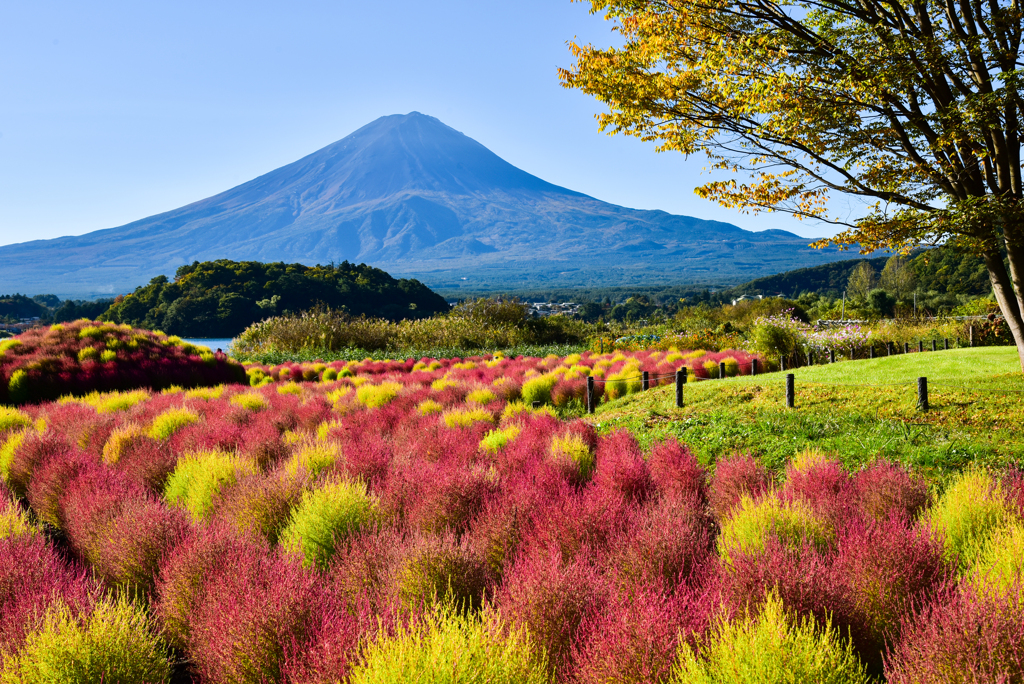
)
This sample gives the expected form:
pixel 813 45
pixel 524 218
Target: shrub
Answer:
pixel 428 406
pixel 260 505
pixel 115 643
pixel 13 520
pixel 496 439
pixel 480 396
pixel 253 609
pixel 884 569
pixel 250 401
pixel 551 598
pixel 466 417
pixel 621 468
pixel 34 576
pixel 677 473
pixel 770 648
pixel 538 389
pixel 13 419
pixel 999 567
pixel 198 479
pixel 967 513
pixel 375 396
pixel 635 639
pixel 792 522
pixel 324 517
pixel 440 569
pixel 573 457
pixel 884 489
pixel 963 636
pixel 314 458
pixel 170 421
pixel 734 478
pixel 447 646
pixel 126 552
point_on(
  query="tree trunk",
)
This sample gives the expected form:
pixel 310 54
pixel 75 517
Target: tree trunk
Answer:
pixel 1006 296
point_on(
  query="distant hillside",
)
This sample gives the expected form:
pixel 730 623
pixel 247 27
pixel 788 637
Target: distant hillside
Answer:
pixel 409 194
pixel 945 270
pixel 221 298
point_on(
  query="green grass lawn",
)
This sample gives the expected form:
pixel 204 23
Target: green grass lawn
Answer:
pixel 856 410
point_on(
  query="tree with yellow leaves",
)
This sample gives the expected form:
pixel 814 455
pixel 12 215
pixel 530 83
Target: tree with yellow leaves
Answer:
pixel 913 105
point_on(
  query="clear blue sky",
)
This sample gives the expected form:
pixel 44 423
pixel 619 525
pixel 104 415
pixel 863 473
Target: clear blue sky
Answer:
pixel 114 111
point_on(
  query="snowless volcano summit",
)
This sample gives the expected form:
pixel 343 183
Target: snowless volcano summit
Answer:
pixel 415 197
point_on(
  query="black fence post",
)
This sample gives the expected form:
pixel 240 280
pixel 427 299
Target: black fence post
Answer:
pixel 906 347
pixel 920 346
pixel 680 381
pixel 945 341
pixel 922 394
pixel 646 380
pixel 810 358
pixel 935 345
pixel 753 366
pixel 970 337
pixel 782 362
pixel 790 391
pixel 831 355
pixel 888 348
pixel 721 370
pixel 871 352
pixel 853 352
pixel 590 394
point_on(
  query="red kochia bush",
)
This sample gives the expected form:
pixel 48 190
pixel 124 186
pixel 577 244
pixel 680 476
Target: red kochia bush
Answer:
pixel 621 467
pixel 35 450
pixel 961 636
pixel 635 638
pixel 33 576
pixel 884 489
pixel 677 473
pixel 884 570
pixel 552 598
pixel 826 486
pixel 735 476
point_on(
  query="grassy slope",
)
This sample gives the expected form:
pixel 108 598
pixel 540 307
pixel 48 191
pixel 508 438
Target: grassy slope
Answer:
pixel 857 423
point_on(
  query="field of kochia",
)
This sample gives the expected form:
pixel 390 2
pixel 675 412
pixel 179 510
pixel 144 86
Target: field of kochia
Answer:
pixel 420 521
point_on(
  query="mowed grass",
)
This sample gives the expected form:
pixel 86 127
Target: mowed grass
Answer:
pixel 857 410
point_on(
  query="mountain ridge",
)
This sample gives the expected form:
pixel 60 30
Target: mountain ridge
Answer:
pixel 413 196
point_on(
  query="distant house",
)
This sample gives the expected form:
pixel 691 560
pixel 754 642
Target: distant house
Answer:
pixel 743 298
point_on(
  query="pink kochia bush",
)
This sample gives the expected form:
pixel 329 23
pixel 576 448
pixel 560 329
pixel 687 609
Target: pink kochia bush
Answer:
pixel 277 533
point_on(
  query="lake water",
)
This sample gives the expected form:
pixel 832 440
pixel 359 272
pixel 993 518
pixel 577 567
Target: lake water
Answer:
pixel 213 343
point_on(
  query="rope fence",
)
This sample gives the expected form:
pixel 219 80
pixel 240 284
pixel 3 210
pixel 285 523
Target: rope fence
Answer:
pixel 682 377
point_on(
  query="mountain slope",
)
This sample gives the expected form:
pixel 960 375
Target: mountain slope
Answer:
pixel 411 195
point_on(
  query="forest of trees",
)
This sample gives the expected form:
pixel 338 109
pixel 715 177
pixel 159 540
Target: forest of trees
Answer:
pixel 221 298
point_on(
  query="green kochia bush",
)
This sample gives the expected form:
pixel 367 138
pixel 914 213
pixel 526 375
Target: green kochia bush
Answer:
pixel 198 479
pixel 967 514
pixel 116 644
pixel 793 522
pixel 325 516
pixel 771 648
pixel 448 648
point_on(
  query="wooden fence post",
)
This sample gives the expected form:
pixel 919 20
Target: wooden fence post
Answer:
pixel 721 370
pixel 646 380
pixel 935 345
pixel 753 366
pixel 922 394
pixel 790 391
pixel 970 338
pixel 920 346
pixel 888 348
pixel 945 341
pixel 831 355
pixel 590 394
pixel 871 351
pixel 680 381
pixel 906 347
